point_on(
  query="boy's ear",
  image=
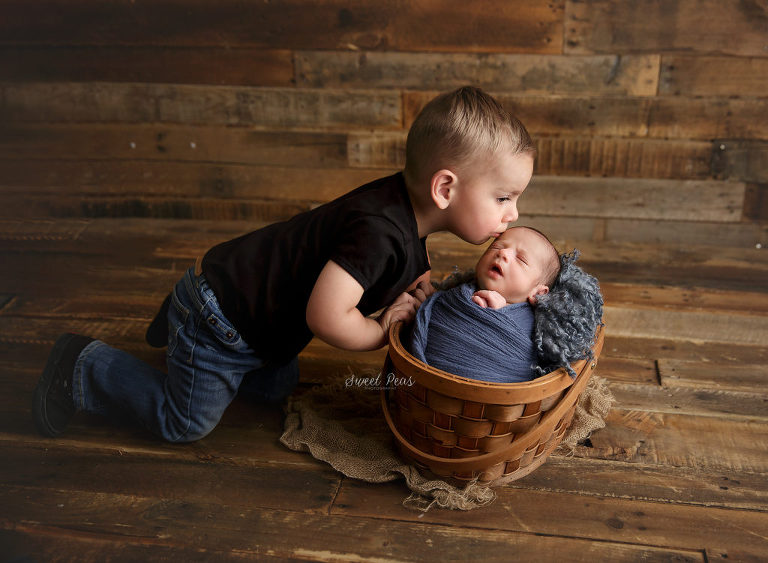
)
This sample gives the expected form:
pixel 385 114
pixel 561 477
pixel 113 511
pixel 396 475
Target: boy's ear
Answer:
pixel 442 186
pixel 533 296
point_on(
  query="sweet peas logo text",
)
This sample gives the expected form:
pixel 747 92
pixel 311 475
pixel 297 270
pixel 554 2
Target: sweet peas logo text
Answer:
pixel 378 382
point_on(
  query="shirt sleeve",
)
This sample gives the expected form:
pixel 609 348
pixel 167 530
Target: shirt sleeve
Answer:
pixel 371 251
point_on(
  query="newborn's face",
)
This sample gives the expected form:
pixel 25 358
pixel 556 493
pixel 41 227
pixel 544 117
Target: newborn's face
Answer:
pixel 513 265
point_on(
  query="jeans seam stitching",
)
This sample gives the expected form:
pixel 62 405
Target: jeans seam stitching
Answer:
pixel 78 370
pixel 193 376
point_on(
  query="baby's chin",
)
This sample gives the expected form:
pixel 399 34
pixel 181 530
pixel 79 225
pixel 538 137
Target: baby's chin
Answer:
pixel 482 281
pixel 487 285
pixel 481 284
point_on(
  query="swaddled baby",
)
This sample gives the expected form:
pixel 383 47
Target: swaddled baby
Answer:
pixel 484 329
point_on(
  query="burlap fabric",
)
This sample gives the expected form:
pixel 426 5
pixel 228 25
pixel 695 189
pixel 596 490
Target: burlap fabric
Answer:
pixel 343 426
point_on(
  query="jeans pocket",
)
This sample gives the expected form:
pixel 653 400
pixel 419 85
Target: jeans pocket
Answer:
pixel 177 318
pixel 225 333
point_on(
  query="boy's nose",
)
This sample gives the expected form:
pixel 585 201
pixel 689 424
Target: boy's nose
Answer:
pixel 511 214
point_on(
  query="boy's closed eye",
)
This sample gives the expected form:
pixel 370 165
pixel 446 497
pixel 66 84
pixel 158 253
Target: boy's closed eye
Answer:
pixel 508 197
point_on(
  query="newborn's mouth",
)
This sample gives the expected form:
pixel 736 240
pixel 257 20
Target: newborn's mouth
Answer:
pixel 496 269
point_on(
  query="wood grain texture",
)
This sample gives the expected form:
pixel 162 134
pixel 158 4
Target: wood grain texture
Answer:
pixel 702 27
pixel 153 207
pixel 31 543
pixel 275 108
pixel 685 350
pixel 304 536
pixel 247 485
pixel 175 65
pixel 756 203
pixel 688 200
pixel 745 160
pixel 568 156
pixel 689 486
pixel 728 405
pixel 147 178
pixel 172 143
pixel 704 327
pixel 711 443
pixel 610 519
pixel 746 378
pixel 713 76
pixel 685 298
pixel 595 156
pixel 686 265
pixel 678 117
pixel 741 235
pixel 530 74
pixel 295 24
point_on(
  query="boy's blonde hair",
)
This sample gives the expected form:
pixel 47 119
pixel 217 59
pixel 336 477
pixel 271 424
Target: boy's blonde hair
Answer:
pixel 460 126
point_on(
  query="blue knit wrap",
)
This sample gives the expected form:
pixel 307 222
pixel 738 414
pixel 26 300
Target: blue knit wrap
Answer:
pixel 454 334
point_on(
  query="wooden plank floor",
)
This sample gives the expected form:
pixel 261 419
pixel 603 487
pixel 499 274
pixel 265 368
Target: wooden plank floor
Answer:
pixel 679 473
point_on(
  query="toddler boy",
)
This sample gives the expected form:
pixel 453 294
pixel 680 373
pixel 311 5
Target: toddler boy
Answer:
pixel 240 318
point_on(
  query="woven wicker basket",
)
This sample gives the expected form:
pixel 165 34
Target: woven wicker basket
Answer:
pixel 463 429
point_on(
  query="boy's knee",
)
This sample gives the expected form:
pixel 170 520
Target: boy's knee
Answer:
pixel 188 437
pixel 192 430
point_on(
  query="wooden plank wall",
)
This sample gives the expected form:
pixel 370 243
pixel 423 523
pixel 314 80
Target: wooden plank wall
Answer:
pixel 651 118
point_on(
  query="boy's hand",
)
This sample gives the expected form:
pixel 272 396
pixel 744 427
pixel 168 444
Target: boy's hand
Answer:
pixel 421 291
pixel 402 309
pixel 488 298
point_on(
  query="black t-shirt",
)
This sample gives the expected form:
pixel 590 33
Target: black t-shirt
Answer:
pixel 263 280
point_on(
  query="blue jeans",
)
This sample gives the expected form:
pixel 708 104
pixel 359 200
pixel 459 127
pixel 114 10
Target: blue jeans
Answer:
pixel 208 362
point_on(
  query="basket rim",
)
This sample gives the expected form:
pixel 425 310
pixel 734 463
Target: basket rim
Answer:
pixel 481 391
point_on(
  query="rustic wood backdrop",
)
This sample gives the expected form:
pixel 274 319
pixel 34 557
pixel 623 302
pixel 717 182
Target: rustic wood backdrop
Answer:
pixel 651 118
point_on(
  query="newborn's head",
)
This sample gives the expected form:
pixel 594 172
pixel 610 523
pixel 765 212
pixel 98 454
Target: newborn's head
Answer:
pixel 520 264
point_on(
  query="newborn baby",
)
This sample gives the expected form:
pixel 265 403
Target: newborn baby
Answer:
pixel 484 330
